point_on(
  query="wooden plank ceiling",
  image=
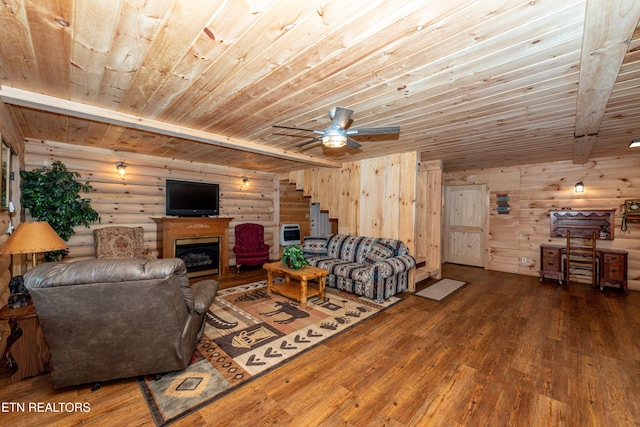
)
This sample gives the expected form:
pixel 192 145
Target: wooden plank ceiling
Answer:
pixel 477 84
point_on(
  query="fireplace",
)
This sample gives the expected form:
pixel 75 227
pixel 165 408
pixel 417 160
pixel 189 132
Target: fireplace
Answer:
pixel 200 254
pixel 175 228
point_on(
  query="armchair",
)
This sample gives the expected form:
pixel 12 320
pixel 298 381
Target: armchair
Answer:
pixel 121 242
pixel 250 248
pixel 105 319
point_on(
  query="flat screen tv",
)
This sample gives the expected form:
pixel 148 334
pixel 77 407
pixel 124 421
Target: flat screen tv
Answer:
pixel 186 198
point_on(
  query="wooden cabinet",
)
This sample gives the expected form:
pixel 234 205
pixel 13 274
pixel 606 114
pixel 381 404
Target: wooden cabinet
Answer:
pixel 613 268
pixel 551 262
pixel 612 265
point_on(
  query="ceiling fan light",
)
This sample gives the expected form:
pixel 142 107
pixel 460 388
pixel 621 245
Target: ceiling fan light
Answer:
pixel 334 141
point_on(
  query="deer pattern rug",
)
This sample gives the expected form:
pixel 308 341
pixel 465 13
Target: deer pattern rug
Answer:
pixel 249 332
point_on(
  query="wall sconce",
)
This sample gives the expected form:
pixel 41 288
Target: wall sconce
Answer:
pixel 121 166
pixel 245 182
pixel 579 187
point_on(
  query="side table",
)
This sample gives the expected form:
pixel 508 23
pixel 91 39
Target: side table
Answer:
pixel 297 291
pixel 27 352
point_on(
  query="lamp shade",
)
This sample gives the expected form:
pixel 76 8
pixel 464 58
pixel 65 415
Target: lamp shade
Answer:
pixel 33 237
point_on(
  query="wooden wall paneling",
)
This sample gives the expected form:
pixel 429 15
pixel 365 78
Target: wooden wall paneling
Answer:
pixel 543 187
pixel 295 207
pixel 316 186
pixel 378 198
pixel 307 183
pixel 137 197
pixel 422 191
pixel 503 234
pixel 428 225
pixel 297 177
pixel 391 209
pixel 380 192
pixel 407 199
pixel 331 187
pixel 349 214
pixel 372 196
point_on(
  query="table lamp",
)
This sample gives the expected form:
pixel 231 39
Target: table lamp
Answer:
pixel 33 238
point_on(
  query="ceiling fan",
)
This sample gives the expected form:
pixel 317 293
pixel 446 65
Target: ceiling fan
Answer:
pixel 337 133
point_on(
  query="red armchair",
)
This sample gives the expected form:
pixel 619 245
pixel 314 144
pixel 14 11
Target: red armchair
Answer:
pixel 250 248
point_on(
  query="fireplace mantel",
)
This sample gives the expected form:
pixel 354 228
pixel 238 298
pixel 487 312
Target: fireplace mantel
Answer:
pixel 172 228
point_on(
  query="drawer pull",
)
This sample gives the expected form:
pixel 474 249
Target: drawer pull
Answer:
pixel 613 271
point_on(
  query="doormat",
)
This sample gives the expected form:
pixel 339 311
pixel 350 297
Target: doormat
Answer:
pixel 249 332
pixel 441 289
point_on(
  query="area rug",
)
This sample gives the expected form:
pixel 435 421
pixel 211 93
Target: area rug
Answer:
pixel 441 289
pixel 249 332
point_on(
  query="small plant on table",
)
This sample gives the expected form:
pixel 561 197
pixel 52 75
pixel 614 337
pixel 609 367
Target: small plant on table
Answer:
pixel 293 257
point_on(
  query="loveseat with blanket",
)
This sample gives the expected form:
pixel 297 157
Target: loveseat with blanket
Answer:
pixel 376 268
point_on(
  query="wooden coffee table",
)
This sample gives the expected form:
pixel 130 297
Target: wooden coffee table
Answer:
pixel 298 289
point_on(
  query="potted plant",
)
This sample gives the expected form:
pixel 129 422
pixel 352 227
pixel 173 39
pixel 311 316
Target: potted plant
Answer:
pixel 53 195
pixel 294 257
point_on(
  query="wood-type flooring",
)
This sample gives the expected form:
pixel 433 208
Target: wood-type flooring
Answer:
pixel 505 350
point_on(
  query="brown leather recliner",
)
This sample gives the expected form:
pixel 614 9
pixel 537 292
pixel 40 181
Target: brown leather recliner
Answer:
pixel 105 319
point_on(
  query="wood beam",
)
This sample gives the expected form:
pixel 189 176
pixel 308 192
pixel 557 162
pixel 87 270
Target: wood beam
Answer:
pixel 608 27
pixel 52 104
pixel 582 148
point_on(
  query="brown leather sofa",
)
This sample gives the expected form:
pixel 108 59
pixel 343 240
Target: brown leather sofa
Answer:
pixel 117 318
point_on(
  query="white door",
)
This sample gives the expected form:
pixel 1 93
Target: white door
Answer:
pixel 320 223
pixel 465 216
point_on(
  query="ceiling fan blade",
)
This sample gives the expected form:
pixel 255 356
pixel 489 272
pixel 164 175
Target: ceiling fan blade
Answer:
pixel 341 117
pixel 291 127
pixel 385 130
pixel 302 144
pixel 352 143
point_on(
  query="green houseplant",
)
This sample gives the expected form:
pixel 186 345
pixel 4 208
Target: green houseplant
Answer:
pixel 53 195
pixel 294 257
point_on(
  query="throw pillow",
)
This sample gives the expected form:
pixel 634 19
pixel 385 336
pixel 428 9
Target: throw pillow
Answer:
pixel 379 252
pixel 118 242
pixel 314 246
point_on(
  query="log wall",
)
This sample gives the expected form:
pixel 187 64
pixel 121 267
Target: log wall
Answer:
pixel 139 195
pixel 534 190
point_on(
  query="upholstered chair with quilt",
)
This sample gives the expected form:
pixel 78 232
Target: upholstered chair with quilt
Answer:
pixel 121 242
pixel 250 248
pixel 105 319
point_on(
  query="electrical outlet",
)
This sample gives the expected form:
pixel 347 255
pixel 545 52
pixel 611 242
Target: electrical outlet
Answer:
pixel 524 260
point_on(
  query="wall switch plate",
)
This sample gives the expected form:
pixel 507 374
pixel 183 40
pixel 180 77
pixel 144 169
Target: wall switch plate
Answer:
pixel 524 260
